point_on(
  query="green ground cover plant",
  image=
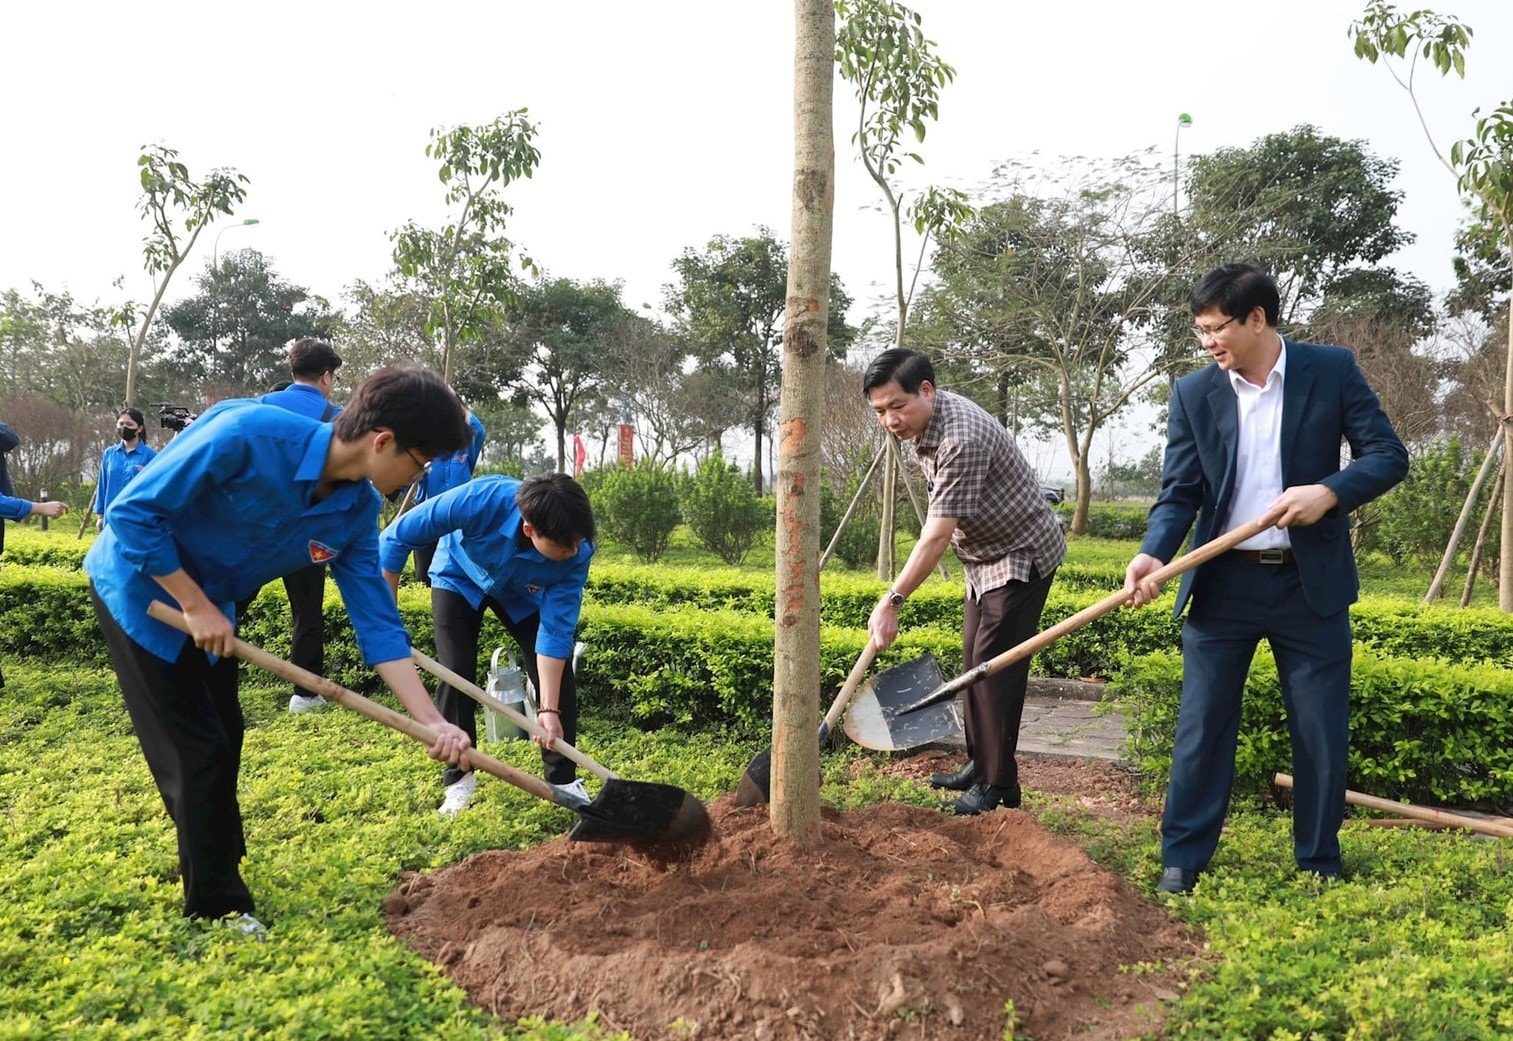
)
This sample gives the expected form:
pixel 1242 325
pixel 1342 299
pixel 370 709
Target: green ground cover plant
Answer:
pixel 1414 943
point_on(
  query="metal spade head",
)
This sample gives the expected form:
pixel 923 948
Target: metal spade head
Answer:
pixel 875 720
pixel 646 814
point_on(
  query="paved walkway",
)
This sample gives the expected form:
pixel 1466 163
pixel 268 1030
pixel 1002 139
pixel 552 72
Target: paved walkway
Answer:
pixel 1061 721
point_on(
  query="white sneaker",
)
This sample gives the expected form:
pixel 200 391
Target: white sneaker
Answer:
pixel 299 703
pixel 574 791
pixel 458 794
pixel 248 926
pixel 578 649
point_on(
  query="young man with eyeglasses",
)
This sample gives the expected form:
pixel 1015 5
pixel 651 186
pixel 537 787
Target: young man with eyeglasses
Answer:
pixel 121 461
pixel 1262 427
pixel 245 494
pixel 520 549
pixel 312 364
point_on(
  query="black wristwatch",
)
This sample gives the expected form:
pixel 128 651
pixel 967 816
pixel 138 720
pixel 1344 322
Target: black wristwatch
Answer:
pixel 896 598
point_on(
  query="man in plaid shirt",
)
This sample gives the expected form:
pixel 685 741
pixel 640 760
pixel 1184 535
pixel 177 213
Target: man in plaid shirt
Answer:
pixel 984 500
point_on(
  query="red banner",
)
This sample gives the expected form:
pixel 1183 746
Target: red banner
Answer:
pixel 579 455
pixel 627 447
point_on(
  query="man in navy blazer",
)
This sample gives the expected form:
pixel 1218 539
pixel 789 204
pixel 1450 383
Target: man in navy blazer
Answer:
pixel 1262 427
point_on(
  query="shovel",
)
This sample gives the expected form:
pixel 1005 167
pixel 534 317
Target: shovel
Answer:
pixel 634 813
pixel 756 783
pixel 905 716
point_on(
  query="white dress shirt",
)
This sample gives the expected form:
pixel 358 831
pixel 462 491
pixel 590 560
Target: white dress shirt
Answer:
pixel 1258 464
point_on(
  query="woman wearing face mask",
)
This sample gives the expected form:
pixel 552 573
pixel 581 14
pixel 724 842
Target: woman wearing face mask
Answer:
pixel 122 461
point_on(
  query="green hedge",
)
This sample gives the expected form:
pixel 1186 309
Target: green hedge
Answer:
pixel 1424 731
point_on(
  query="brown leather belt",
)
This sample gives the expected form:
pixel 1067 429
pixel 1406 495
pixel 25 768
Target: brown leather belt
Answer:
pixel 1265 556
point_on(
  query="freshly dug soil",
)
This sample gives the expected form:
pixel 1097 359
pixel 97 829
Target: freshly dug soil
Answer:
pixel 903 923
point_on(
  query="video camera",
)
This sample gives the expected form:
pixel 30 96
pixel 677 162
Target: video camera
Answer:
pixel 174 417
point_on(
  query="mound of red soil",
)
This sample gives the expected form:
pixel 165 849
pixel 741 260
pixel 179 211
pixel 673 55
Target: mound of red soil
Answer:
pixel 904 922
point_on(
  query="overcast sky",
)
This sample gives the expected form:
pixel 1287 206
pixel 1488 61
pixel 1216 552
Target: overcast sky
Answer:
pixel 662 123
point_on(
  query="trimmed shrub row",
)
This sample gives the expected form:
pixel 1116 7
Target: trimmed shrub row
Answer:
pixel 1428 732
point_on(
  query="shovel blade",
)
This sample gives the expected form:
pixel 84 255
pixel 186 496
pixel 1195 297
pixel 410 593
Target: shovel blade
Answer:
pixel 643 813
pixel 875 721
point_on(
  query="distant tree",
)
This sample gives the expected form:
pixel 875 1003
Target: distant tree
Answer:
pixel 729 305
pixel 466 269
pixel 554 335
pixel 386 324
pixel 1311 209
pixel 1048 309
pixel 58 446
pixel 73 353
pixel 168 190
pixel 233 335
pixel 1481 164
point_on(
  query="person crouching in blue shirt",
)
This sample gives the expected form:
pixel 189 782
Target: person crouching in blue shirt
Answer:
pixel 247 493
pixel 520 549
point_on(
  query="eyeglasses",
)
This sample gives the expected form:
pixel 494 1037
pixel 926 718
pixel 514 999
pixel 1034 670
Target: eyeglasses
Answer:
pixel 1204 335
pixel 424 464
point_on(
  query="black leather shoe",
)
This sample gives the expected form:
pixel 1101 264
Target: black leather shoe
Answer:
pixel 1177 880
pixel 982 797
pixel 960 781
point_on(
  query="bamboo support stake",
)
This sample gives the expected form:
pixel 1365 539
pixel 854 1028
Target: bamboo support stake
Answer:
pixel 1408 809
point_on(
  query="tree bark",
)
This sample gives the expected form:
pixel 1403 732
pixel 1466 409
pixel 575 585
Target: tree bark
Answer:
pixel 1505 560
pixel 795 806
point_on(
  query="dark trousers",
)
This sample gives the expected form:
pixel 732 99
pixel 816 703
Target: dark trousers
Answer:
pixel 423 557
pixel 306 589
pixel 307 643
pixel 1240 603
pixel 994 622
pixel 457 628
pixel 189 724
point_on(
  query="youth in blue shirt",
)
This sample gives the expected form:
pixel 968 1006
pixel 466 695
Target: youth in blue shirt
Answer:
pixel 243 495
pixel 313 363
pixel 447 472
pixel 12 508
pixel 520 549
pixel 121 462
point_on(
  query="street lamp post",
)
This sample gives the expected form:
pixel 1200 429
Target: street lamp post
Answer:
pixel 1183 120
pixel 215 302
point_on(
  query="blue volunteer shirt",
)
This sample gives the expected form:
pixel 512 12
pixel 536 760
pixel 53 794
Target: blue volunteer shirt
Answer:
pixel 231 501
pixel 449 471
pixel 12 508
pixel 481 554
pixel 118 465
pixel 303 400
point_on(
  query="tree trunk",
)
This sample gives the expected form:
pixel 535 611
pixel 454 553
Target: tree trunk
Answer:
pixel 1481 534
pixel 1505 560
pixel 1437 585
pixel 796 650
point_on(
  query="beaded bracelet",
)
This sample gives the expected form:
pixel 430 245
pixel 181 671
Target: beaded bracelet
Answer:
pixel 551 710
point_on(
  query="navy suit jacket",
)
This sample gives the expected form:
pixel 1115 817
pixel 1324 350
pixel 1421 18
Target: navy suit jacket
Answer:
pixel 1325 400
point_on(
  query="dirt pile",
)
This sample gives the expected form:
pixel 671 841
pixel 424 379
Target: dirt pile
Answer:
pixel 904 923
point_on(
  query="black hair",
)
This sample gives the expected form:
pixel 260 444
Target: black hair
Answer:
pixel 311 358
pixel 135 414
pixel 910 368
pixel 557 507
pixel 1236 290
pixel 414 403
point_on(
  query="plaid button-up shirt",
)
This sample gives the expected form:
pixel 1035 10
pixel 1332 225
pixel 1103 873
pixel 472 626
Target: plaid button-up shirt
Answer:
pixel 976 473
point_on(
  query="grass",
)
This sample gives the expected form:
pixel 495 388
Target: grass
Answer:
pixel 1416 942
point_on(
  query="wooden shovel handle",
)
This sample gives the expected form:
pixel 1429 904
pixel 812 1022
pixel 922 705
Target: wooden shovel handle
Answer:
pixel 1408 809
pixel 332 691
pixel 530 726
pixel 848 689
pixel 1206 552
